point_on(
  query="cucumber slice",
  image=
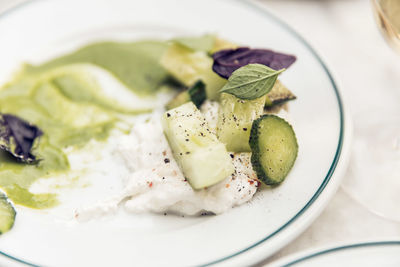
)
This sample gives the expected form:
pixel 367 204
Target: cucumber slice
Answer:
pixel 196 94
pixel 274 148
pixel 278 95
pixel 202 158
pixel 235 118
pixel 7 214
pixel 188 66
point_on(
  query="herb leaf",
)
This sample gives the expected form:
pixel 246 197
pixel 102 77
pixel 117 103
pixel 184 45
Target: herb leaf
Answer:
pixel 203 43
pixel 251 81
pixel 228 60
pixel 18 136
pixel 197 93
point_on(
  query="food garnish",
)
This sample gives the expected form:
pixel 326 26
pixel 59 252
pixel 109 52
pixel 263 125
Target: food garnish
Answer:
pixel 228 60
pixel 251 81
pixel 18 137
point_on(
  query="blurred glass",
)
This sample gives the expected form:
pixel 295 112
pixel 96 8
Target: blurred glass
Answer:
pixel 374 173
pixel 387 14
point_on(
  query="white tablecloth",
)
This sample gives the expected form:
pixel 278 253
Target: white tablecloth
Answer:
pixel 345 34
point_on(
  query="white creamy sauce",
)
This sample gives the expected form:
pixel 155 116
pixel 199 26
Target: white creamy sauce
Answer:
pixel 137 172
pixel 156 184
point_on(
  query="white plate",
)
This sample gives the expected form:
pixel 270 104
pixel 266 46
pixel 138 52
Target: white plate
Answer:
pixel 369 254
pixel 38 30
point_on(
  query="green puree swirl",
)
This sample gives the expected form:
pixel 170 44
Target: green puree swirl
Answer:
pixel 67 108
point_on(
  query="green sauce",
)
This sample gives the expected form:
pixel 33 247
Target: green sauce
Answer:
pixel 135 64
pixel 68 108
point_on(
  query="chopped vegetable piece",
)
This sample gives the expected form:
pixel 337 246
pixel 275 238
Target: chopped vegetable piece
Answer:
pixel 188 66
pixel 274 148
pixel 278 94
pixel 7 214
pixel 235 118
pixel 196 94
pixel 202 158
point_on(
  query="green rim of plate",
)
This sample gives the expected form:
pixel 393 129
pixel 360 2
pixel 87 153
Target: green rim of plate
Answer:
pixel 332 250
pixel 250 5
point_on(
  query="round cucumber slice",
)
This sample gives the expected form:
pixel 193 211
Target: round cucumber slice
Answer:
pixel 274 148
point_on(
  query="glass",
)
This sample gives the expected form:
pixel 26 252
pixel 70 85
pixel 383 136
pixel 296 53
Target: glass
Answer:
pixel 387 14
pixel 374 173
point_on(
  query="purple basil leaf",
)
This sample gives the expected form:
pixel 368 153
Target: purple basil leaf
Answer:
pixel 228 60
pixel 18 136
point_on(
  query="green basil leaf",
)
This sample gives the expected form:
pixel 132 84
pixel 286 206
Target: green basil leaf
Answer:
pixel 251 81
